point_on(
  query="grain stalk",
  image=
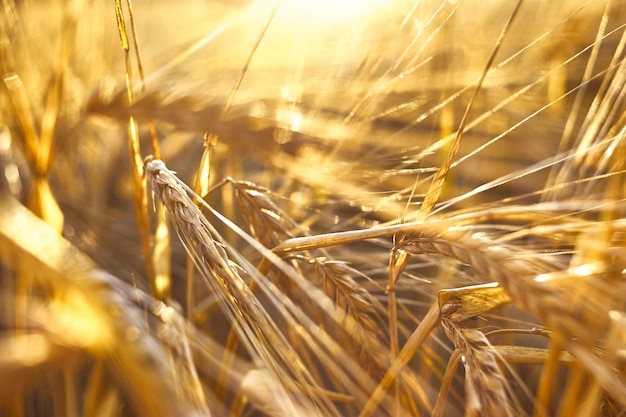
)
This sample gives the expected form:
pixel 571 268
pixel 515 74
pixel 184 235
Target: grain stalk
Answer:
pixel 155 247
pixel 255 328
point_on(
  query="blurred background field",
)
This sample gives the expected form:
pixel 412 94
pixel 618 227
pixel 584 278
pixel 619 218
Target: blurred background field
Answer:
pixel 323 117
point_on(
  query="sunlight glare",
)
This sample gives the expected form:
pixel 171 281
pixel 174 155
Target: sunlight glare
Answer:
pixel 331 11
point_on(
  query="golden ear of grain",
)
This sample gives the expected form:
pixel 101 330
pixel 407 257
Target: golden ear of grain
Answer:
pixel 525 283
pixel 492 262
pixel 485 383
pixel 267 222
pixel 362 321
pixel 254 325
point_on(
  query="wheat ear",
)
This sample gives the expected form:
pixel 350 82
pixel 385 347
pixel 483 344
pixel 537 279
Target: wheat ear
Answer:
pixel 518 277
pixel 255 327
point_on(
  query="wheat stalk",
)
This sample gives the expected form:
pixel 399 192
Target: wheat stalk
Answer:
pixel 255 327
pixel 486 386
pixel 268 223
pixel 549 303
pixel 252 322
pixel 366 334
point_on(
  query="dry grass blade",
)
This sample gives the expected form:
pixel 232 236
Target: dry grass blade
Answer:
pixel 439 180
pixel 155 248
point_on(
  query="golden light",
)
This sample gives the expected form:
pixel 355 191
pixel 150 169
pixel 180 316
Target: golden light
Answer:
pixel 74 322
pixel 25 349
pixel 330 11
